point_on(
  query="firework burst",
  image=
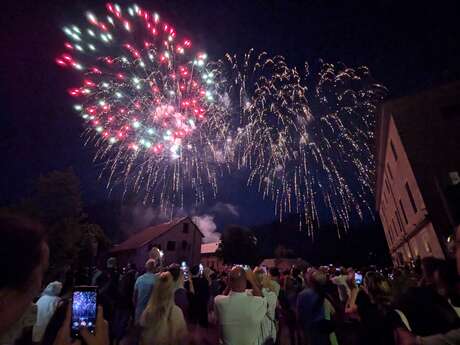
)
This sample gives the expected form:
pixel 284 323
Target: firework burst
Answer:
pixel 303 147
pixel 149 104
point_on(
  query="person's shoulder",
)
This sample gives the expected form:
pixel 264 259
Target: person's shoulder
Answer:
pixel 307 292
pixel 219 299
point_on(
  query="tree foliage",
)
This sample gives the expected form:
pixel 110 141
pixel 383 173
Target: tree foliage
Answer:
pixel 238 246
pixel 57 204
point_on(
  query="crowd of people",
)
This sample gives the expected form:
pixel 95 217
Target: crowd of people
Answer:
pixel 175 305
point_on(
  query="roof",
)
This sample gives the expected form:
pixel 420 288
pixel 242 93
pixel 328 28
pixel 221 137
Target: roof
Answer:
pixel 274 262
pixel 145 236
pixel 209 248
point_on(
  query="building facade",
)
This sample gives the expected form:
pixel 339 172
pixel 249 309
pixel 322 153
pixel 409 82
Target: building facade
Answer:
pixel 179 240
pixel 209 257
pixel 418 162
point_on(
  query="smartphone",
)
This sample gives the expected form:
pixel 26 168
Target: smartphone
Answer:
pixel 201 269
pixel 84 309
pixel 184 268
pixel 358 278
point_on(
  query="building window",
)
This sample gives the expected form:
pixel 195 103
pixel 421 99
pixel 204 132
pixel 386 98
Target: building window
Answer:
pixel 389 171
pixel 184 245
pixel 398 217
pixel 171 246
pixel 403 211
pixel 185 228
pixel 394 227
pixel 393 150
pixel 411 198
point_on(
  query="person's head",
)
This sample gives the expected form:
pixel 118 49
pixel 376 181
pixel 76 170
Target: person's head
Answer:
pixel 195 270
pixel 429 265
pixel 161 298
pixel 150 265
pixel 237 279
pixel 263 279
pixel 378 288
pixel 295 271
pixel 446 278
pixel 177 274
pixel 131 266
pixel 53 289
pixel 351 281
pixel 274 273
pixel 25 257
pixel 111 263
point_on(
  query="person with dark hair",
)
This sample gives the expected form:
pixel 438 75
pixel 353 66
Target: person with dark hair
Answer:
pixel 124 304
pixel 429 265
pixel 375 308
pixel 108 293
pixel 199 298
pixel 24 258
pixel 315 311
pixel 275 277
pixel 181 296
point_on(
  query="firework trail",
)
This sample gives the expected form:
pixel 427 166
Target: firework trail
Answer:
pixel 304 147
pixel 166 122
pixel 149 105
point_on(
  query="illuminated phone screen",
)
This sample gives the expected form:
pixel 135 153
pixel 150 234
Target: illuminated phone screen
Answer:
pixel 84 310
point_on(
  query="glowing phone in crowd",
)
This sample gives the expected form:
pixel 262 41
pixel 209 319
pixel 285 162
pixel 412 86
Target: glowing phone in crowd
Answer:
pixel 84 309
pixel 184 269
pixel 358 278
pixel 201 269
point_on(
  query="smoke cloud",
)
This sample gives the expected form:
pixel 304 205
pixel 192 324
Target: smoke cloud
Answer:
pixel 208 227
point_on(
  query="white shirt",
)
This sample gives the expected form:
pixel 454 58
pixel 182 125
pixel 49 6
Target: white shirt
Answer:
pixel 46 307
pixel 342 287
pixel 240 316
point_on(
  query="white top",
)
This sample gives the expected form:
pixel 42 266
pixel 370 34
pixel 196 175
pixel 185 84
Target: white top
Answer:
pixel 268 325
pixel 171 330
pixel 46 307
pixel 342 287
pixel 240 316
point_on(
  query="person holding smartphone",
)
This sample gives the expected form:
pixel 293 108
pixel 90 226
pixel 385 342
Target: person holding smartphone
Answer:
pixel 240 314
pixel 99 336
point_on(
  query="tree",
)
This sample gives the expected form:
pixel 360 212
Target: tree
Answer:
pixel 57 204
pixel 238 246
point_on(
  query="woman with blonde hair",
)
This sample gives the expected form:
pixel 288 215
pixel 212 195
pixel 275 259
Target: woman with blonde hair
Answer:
pixel 162 321
pixel 267 334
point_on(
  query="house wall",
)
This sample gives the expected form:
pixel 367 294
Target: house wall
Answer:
pixel 212 261
pixel 408 231
pixel 187 246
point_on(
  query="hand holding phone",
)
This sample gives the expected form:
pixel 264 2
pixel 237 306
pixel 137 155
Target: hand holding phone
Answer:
pixel 84 309
pixel 101 336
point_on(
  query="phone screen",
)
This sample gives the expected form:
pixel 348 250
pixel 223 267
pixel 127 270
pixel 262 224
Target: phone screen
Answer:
pixel 184 268
pixel 358 278
pixel 84 309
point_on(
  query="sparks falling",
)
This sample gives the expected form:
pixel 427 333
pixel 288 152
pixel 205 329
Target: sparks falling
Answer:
pixel 149 104
pixel 304 147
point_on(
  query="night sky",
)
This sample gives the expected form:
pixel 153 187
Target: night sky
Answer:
pixel 407 45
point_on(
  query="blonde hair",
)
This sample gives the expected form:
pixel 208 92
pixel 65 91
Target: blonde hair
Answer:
pixel 161 300
pixel 263 279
